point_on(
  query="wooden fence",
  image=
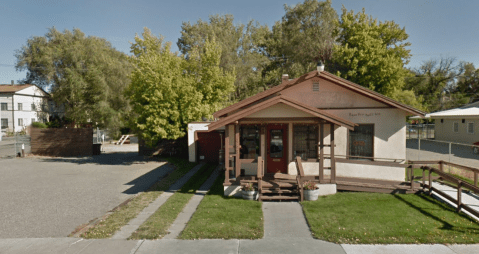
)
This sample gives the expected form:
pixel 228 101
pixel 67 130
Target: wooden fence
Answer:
pixel 62 141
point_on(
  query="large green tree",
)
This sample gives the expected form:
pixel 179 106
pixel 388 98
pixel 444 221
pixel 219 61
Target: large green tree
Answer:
pixel 302 37
pixel 168 91
pixel 435 80
pixel 85 75
pixel 468 82
pixel 371 53
pixel 240 46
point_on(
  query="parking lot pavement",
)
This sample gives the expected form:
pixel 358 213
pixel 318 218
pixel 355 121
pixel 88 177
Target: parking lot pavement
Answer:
pixel 50 197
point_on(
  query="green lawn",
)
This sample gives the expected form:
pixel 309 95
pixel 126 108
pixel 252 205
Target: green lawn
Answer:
pixel 374 218
pixel 157 225
pixel 219 217
pixel 120 217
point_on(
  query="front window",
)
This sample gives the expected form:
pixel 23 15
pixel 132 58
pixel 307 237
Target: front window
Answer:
pixel 20 106
pixel 4 106
pixel 4 123
pixel 305 141
pixel 20 122
pixel 249 141
pixel 361 142
pixel 34 107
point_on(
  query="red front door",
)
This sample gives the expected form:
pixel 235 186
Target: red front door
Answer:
pixel 276 146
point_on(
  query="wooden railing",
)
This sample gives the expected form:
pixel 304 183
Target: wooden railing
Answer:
pixel 259 175
pixel 450 179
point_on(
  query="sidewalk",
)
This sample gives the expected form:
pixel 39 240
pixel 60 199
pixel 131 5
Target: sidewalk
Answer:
pixel 293 245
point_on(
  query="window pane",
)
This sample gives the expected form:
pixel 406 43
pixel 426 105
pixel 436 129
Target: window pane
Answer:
pixel 249 140
pixel 276 148
pixel 4 106
pixel 456 127
pixel 4 123
pixel 305 141
pixel 361 141
pixel 470 128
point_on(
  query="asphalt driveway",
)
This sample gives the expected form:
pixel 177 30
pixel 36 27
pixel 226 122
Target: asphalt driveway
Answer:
pixel 50 197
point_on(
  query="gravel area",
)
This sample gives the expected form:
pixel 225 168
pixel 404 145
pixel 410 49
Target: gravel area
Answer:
pixel 50 197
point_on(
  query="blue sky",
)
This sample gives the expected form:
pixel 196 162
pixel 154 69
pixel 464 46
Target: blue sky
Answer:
pixel 436 28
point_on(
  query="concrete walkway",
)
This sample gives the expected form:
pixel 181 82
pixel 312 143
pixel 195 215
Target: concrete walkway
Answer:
pixel 180 223
pixel 133 225
pixel 293 245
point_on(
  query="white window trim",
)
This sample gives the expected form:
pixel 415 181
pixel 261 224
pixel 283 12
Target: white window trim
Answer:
pixel 453 124
pixel 467 127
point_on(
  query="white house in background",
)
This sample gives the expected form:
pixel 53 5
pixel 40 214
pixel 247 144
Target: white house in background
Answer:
pixel 21 105
pixel 459 125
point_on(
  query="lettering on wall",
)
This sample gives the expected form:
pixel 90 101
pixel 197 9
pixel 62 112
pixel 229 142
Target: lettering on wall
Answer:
pixel 364 114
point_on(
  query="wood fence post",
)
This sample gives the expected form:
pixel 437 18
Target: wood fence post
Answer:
pixel 423 178
pixel 430 182
pixel 475 179
pixel 459 196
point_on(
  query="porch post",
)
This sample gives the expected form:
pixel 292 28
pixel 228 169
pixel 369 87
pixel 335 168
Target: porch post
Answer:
pixel 321 152
pixel 333 160
pixel 237 151
pixel 227 154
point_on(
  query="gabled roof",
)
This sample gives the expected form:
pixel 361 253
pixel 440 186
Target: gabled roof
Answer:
pixel 281 99
pixel 13 88
pixel 17 88
pixel 328 76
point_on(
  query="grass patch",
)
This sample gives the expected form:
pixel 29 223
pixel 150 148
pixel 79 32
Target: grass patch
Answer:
pixel 121 216
pixel 219 217
pixel 157 225
pixel 374 218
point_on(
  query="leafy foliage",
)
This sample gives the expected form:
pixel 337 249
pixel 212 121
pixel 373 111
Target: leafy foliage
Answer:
pixel 302 38
pixel 39 125
pixel 371 53
pixel 168 91
pixel 87 76
pixel 435 81
pixel 240 46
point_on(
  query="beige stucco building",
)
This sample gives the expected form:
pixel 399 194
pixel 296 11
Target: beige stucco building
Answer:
pixel 459 125
pixel 336 127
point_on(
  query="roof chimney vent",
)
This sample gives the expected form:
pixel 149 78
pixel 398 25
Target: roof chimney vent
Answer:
pixel 320 67
pixel 285 78
pixel 13 82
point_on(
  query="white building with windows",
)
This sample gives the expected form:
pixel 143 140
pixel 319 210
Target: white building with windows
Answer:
pixel 21 105
pixel 459 125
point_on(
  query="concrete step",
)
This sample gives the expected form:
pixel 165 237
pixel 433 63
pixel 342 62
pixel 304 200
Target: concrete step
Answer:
pixel 278 198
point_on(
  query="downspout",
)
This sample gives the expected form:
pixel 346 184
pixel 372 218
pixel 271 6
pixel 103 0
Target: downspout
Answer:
pixel 13 112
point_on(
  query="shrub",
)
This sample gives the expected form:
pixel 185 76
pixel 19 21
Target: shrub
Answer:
pixel 39 125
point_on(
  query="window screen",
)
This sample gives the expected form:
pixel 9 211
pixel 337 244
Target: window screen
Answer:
pixel 361 142
pixel 20 122
pixel 305 141
pixel 249 141
pixel 20 106
pixel 470 128
pixel 4 106
pixel 455 127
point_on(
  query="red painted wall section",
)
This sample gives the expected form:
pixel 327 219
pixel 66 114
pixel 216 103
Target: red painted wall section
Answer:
pixel 208 145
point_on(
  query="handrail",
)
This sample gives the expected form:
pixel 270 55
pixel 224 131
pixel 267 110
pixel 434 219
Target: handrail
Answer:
pixel 454 180
pixel 442 163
